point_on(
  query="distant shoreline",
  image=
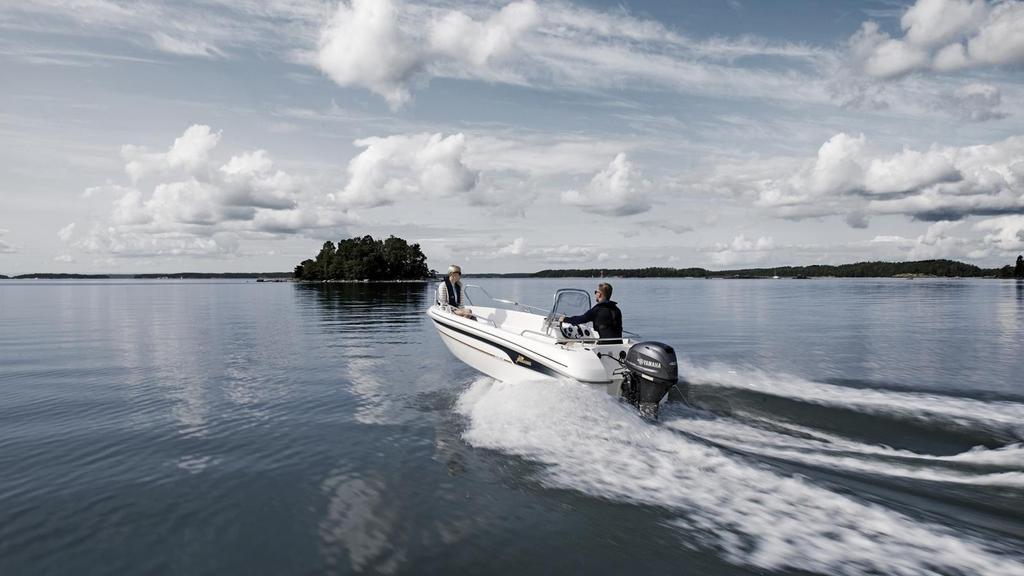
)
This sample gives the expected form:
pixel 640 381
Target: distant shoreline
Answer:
pixel 877 269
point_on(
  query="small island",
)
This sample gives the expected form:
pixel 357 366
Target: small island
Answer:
pixel 367 259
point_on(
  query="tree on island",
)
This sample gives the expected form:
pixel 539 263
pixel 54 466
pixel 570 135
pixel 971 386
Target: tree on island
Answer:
pixel 1018 270
pixel 366 259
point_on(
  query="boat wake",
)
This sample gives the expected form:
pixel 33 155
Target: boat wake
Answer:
pixel 697 466
pixel 1003 421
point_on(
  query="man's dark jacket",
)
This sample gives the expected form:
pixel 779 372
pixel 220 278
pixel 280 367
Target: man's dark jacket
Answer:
pixel 606 316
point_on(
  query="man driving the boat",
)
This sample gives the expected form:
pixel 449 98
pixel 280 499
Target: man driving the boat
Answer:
pixel 449 292
pixel 605 315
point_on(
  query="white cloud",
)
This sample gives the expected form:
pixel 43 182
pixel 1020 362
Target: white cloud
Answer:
pixel 942 183
pixel 615 191
pixel 250 180
pixel 66 232
pixel 387 47
pixel 363 46
pixel 406 166
pixel 936 242
pixel 183 202
pixel 461 38
pixel 190 152
pixel 516 248
pixel 742 250
pixel 1006 233
pixel 64 258
pixel 943 35
pixel 134 244
pixel 910 170
pixel 932 23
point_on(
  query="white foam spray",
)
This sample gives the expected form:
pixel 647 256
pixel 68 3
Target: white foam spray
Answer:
pixel 833 452
pixel 999 416
pixel 589 442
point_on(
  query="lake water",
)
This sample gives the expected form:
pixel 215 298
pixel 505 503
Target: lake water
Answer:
pixel 831 427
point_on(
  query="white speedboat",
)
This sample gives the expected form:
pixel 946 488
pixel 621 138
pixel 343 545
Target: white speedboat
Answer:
pixel 519 342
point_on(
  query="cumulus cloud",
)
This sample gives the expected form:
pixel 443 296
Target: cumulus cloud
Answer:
pixel 516 248
pixel 501 174
pixel 941 183
pixel 189 152
pixel 408 166
pixel 459 37
pixel 741 250
pixel 615 191
pixel 366 44
pixel 184 202
pixel 938 241
pixel 1005 233
pixel 943 35
pixel 363 46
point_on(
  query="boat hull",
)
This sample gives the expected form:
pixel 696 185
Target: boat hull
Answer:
pixel 506 346
pixel 488 358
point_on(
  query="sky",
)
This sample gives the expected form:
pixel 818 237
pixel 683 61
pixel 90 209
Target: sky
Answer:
pixel 239 135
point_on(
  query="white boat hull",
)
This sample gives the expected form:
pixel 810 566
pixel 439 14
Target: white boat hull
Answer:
pixel 510 345
pixel 486 358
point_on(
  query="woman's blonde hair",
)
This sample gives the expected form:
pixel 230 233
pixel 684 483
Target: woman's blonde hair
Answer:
pixel 453 269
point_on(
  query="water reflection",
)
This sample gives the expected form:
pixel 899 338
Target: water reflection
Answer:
pixel 364 304
pixel 360 524
pixel 368 324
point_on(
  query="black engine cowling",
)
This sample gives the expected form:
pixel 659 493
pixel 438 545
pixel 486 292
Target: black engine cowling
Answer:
pixel 652 370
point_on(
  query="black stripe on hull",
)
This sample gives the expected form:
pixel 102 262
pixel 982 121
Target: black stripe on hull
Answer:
pixel 517 358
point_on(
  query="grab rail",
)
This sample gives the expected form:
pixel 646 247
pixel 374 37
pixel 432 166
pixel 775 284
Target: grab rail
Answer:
pixel 595 340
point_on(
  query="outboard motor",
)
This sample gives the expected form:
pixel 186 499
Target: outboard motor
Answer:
pixel 651 369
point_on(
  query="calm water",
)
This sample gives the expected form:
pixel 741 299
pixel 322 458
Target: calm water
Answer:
pixel 831 427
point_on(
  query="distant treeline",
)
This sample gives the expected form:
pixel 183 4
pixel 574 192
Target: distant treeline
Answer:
pixel 60 277
pixel 945 268
pixel 204 275
pixel 366 259
pixel 178 275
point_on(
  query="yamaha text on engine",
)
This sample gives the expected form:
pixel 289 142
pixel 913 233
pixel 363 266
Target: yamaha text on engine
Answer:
pixel 650 371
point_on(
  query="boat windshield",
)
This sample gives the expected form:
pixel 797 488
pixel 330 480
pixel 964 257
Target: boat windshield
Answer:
pixel 570 302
